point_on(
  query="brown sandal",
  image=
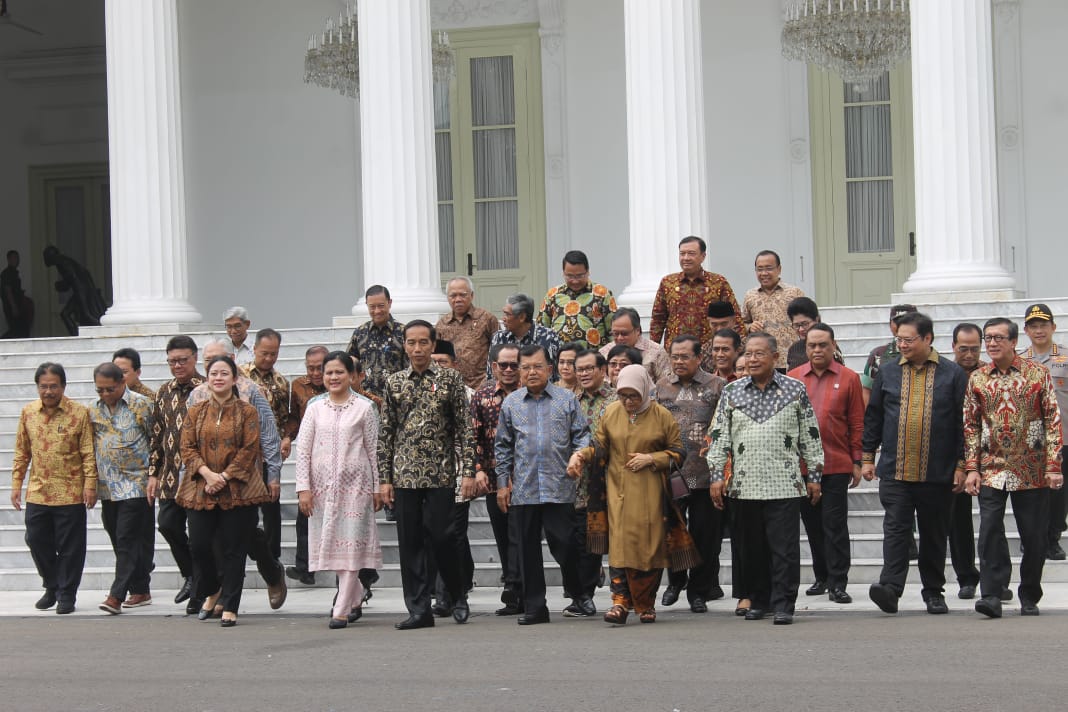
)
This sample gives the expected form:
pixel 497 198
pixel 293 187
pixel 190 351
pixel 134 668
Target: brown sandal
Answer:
pixel 617 614
pixel 648 617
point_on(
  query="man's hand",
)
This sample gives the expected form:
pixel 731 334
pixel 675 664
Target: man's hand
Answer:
pixel 468 488
pixel 867 471
pixel 483 483
pixel 856 477
pixel 814 492
pixel 377 498
pixel 575 465
pixel 285 447
pixel 756 325
pixel 504 498
pixel 1055 479
pixel 958 481
pixel 276 490
pixel 304 503
pixel 971 484
pixel 16 499
pixel 385 491
pixel 715 491
pixel 150 490
pixel 89 497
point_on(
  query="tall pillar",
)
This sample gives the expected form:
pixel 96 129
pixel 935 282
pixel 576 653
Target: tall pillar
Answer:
pixel 958 244
pixel 148 249
pixel 400 219
pixel 667 178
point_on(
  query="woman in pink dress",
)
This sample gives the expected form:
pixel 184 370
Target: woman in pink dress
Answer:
pixel 337 485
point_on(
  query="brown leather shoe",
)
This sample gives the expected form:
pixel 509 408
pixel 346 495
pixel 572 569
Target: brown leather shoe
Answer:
pixel 111 605
pixel 277 594
pixel 136 600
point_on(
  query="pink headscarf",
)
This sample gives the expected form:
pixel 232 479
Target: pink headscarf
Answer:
pixel 636 378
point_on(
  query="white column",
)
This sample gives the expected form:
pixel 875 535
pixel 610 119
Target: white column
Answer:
pixel 958 245
pixel 551 16
pixel 400 218
pixel 667 179
pixel 148 252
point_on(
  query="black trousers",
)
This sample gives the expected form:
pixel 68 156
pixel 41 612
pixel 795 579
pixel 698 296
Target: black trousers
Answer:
pixel 962 540
pixel 827 527
pixel 705 524
pixel 733 525
pixel 423 517
pixel 772 551
pixel 266 546
pixel 457 531
pixel 1058 505
pixel 1031 509
pixel 171 523
pixel 589 565
pixel 930 504
pixel 56 538
pixel 231 530
pixel 300 557
pixel 127 522
pixel 507 544
pixel 557 520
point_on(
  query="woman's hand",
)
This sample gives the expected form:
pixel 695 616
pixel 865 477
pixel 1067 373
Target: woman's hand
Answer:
pixel 214 482
pixel 639 461
pixel 304 502
pixel 575 465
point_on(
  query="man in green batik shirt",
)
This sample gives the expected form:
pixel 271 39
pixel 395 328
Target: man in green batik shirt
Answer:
pixel 579 310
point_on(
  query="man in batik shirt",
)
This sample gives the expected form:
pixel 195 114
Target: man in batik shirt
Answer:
pixel 579 310
pixel 682 300
pixel 378 343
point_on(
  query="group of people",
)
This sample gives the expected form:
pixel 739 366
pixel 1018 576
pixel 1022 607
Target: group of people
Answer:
pixel 727 420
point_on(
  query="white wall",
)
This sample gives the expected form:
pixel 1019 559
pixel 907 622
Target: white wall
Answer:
pixel 1044 57
pixel 271 166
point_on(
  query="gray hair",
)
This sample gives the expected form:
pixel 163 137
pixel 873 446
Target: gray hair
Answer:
pixel 238 312
pixel 521 304
pixel 465 279
pixel 220 341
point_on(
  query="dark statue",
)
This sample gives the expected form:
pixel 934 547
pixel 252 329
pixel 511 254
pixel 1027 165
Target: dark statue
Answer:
pixel 86 304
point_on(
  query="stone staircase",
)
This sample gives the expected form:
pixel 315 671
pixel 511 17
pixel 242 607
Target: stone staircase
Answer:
pixel 858 328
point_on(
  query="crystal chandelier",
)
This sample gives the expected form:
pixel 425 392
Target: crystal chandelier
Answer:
pixel 858 39
pixel 333 57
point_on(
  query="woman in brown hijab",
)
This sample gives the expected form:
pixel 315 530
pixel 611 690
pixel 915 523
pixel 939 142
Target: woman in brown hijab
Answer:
pixel 637 440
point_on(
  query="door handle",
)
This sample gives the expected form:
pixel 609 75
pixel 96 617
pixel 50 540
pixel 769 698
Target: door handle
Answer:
pixel 912 244
pixel 470 265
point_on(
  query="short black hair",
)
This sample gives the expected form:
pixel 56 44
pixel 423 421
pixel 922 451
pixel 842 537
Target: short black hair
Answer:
pixel 343 358
pixel 921 322
pixel 12 252
pixel 631 314
pixel 1014 330
pixel 130 355
pixel 575 257
pixel 966 326
pixel 495 351
pixel 268 333
pixel 570 346
pixel 769 253
pixel 730 334
pixel 55 369
pixel 109 371
pixel 445 347
pixel 688 339
pixel 181 341
pixel 601 360
pixel 694 238
pixel 632 354
pixel 802 306
pixel 533 350
pixel 374 290
pixel 820 326
pixel 416 323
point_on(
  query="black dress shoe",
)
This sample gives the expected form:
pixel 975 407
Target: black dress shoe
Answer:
pixel 715 593
pixel 936 605
pixel 355 614
pixel 1055 552
pixel 783 618
pixel 336 623
pixel 440 610
pixel 461 611
pixel 412 622
pixel 510 610
pixel 193 606
pixel 817 589
pixel 671 595
pixel 46 601
pixel 534 618
pixel 1005 595
pixel 227 622
pixel 185 591
pixel 755 614
pixel 65 607
pixel 966 592
pixel 989 606
pixel 883 597
pixel 698 605
pixel 839 595
pixel 1028 609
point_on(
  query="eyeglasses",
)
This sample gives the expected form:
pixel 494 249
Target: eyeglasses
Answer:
pixel 508 365
pixel 527 367
pixel 619 364
pixel 757 354
pixel 106 389
pixel 585 369
pixel 617 334
pixel 967 349
pixel 803 325
pixel 235 327
pixel 46 387
pixel 178 361
pixel 906 340
pixel 765 270
pixel 628 397
pixel 995 338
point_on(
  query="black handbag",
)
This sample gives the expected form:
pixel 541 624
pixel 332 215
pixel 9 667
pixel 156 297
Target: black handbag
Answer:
pixel 677 483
